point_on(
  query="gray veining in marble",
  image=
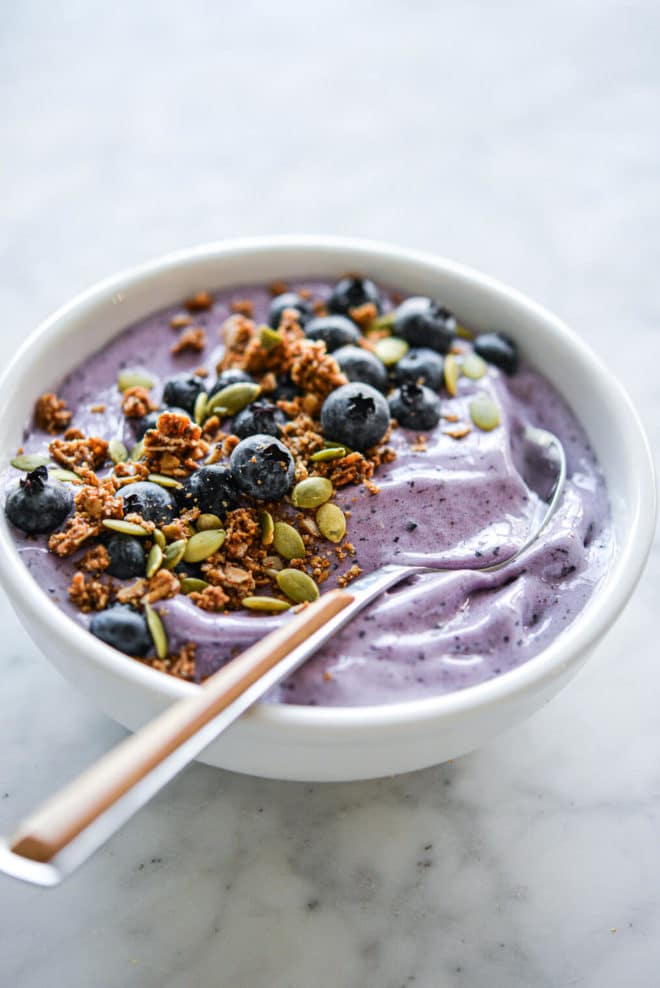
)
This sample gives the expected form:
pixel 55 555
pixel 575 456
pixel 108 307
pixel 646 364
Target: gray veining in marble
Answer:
pixel 521 138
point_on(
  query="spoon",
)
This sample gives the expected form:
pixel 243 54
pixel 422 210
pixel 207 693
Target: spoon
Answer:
pixel 69 827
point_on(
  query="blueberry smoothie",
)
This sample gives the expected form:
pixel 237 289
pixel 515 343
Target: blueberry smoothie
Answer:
pixel 225 461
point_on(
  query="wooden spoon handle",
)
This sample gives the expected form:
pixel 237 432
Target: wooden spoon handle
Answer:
pixel 54 825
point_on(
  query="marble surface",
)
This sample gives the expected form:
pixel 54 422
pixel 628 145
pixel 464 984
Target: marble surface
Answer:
pixel 521 138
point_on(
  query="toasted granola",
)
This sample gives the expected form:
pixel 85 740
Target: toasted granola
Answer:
pixel 51 413
pixel 175 446
pixel 89 594
pixel 136 403
pixel 193 339
pixel 75 454
pixel 95 561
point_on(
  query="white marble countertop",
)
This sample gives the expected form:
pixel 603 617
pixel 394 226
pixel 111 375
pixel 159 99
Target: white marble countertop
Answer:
pixel 521 141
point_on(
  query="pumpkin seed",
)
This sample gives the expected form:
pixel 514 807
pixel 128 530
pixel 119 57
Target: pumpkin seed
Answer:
pixel 30 461
pixel 452 373
pixel 208 523
pixel 174 553
pixel 331 453
pixel 117 451
pixel 484 412
pixel 157 631
pixel 474 366
pixel 464 332
pixel 202 545
pixel 154 560
pixel 267 528
pixel 312 492
pixel 159 538
pixel 265 604
pixel 233 398
pixel 391 349
pixel 134 379
pixel 298 586
pixel 137 451
pixel 199 411
pixel 287 541
pixel 65 476
pixel 269 338
pixel 163 481
pixel 332 522
pixel 190 584
pixel 125 527
pixel 384 322
pixel 274 562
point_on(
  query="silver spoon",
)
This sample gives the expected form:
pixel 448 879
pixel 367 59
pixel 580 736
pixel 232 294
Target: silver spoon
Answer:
pixel 67 829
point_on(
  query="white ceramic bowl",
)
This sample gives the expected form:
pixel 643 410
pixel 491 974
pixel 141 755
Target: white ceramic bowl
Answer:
pixel 312 743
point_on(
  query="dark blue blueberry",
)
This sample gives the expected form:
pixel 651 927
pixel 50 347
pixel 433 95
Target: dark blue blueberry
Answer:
pixel 285 389
pixel 127 556
pixel 352 292
pixel 422 366
pixel 289 300
pixel 123 628
pixel 36 505
pixel 262 467
pixel 230 376
pixel 415 406
pixel 212 489
pixel 425 323
pixel 498 349
pixel 151 501
pixel 356 415
pixel 335 331
pixel 150 420
pixel 182 390
pixel 260 416
pixel 359 364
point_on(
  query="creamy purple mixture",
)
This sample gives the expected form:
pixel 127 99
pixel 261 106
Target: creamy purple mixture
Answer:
pixel 436 633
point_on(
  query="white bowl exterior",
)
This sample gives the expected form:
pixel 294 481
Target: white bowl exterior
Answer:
pixel 305 743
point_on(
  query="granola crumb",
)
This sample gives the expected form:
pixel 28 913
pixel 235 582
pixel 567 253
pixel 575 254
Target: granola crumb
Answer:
pixel 419 445
pixel 350 575
pixel 89 594
pixel 95 560
pixel 136 403
pixel 243 306
pixel 278 288
pixel 193 339
pixel 199 302
pixel 162 586
pixel 181 665
pixel 75 454
pixel 51 413
pixel 201 372
pixel 212 598
pixel 364 315
pixel 174 446
pixel 180 320
pixel 458 431
pixel 97 409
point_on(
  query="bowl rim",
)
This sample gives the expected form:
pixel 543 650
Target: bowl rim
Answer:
pixel 601 611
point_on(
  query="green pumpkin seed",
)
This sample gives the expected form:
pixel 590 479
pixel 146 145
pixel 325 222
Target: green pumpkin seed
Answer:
pixel 267 528
pixel 163 481
pixel 473 366
pixel 265 604
pixel 233 398
pixel 65 476
pixel 159 538
pixel 452 373
pixel 297 585
pixel 202 545
pixel 154 560
pixel 391 349
pixel 137 451
pixel 332 522
pixel 312 492
pixel 157 631
pixel 464 332
pixel 174 553
pixel 30 461
pixel 134 379
pixel 125 527
pixel 287 541
pixel 117 451
pixel 208 523
pixel 190 584
pixel 331 453
pixel 484 412
pixel 199 411
pixel 269 338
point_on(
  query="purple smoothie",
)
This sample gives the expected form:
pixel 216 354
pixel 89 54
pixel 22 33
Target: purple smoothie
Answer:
pixel 436 633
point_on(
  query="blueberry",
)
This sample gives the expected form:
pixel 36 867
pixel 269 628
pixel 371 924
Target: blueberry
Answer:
pixel 230 376
pixel 212 489
pixel 352 292
pixel 421 366
pixel 498 349
pixel 425 323
pixel 182 390
pixel 359 364
pixel 335 331
pixel 285 389
pixel 289 300
pixel 415 406
pixel 355 414
pixel 127 556
pixel 150 501
pixel 123 628
pixel 37 506
pixel 150 420
pixel 262 467
pixel 260 416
